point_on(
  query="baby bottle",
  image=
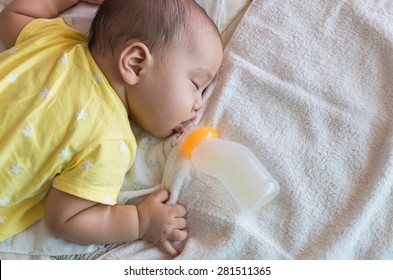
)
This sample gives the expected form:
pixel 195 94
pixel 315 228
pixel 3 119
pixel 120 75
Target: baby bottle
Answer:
pixel 234 165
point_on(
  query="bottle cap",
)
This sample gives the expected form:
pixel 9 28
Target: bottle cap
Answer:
pixel 196 137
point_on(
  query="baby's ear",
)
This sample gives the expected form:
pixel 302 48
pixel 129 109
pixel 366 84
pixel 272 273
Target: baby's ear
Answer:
pixel 133 59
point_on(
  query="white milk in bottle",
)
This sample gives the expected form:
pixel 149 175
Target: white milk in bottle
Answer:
pixel 234 165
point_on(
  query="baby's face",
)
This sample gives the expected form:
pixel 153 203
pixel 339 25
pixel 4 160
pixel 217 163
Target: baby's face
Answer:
pixel 170 93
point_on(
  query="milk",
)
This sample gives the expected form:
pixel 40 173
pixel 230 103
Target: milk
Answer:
pixel 241 172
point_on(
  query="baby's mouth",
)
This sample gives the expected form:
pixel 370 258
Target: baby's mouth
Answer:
pixel 183 125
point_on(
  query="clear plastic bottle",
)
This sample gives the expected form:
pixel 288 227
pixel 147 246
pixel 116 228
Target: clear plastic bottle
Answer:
pixel 234 165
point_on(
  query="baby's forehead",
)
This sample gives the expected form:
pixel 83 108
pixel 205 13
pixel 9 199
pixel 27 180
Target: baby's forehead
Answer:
pixel 202 30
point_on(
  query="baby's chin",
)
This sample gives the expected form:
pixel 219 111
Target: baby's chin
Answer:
pixel 161 133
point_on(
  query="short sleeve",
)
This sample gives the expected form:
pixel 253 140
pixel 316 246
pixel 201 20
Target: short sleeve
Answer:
pixel 48 29
pixel 97 173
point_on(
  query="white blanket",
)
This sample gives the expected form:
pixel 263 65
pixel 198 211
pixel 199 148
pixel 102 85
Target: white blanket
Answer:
pixel 307 86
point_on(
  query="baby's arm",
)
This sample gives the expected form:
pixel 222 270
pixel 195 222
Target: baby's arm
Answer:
pixel 84 221
pixel 18 13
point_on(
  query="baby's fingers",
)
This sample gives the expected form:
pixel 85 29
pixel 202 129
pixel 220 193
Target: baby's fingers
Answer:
pixel 179 224
pixel 167 248
pixel 178 234
pixel 179 211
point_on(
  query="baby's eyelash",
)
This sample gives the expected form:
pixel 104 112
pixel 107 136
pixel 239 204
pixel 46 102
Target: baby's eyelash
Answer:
pixel 196 85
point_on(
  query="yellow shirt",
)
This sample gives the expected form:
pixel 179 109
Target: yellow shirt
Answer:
pixel 62 125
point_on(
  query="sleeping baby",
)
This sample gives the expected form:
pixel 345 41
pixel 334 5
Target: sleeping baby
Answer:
pixel 66 100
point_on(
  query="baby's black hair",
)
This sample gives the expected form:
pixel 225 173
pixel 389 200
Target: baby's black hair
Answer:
pixel 156 23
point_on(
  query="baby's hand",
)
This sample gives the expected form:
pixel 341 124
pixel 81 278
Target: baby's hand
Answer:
pixel 159 223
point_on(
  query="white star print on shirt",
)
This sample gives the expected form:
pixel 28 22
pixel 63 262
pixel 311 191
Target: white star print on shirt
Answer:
pixel 97 78
pixel 12 78
pixel 123 147
pixel 13 50
pixel 87 165
pixel 81 115
pixel 27 132
pixel 64 153
pixel 64 58
pixel 4 201
pixel 106 200
pixel 16 169
pixel 45 93
pixel 123 110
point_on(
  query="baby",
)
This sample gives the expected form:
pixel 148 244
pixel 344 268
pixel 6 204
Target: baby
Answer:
pixel 65 100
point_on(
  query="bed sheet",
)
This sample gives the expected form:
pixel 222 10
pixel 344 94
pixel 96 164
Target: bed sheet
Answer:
pixel 147 172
